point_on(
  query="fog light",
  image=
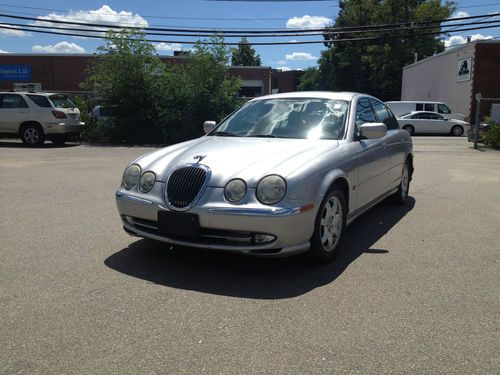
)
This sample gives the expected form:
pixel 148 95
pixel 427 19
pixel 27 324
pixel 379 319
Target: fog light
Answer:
pixel 263 238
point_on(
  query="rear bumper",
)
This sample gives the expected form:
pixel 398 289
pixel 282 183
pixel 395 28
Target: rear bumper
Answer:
pixel 63 128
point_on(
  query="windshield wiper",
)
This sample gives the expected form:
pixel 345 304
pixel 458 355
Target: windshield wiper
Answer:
pixel 224 134
pixel 264 136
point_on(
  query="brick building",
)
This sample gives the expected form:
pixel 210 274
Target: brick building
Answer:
pixel 456 76
pixel 65 72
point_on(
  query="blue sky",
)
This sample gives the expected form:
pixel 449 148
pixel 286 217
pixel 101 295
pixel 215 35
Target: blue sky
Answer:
pixel 214 14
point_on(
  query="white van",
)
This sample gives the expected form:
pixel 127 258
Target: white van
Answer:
pixel 402 108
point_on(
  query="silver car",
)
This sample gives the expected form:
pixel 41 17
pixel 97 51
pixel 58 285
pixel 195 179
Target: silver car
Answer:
pixel 284 174
pixel 422 122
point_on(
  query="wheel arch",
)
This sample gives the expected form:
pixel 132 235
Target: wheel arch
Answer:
pixel 335 178
pixel 29 122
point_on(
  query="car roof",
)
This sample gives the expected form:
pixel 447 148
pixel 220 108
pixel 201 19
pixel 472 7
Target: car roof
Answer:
pixel 417 112
pixel 341 95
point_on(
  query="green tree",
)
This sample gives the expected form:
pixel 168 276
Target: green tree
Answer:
pixel 244 55
pixel 157 102
pixel 375 66
pixel 126 73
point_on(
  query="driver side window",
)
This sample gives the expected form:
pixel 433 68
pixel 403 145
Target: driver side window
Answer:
pixel 364 113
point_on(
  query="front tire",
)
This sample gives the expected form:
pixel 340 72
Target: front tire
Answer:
pixel 329 226
pixel 32 135
pixel 457 131
pixel 401 196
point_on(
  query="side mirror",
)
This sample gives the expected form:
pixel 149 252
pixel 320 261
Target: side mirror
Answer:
pixel 208 126
pixel 373 130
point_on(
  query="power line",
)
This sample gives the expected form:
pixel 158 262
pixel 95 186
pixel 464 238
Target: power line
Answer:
pixel 276 31
pixel 204 42
pixel 452 27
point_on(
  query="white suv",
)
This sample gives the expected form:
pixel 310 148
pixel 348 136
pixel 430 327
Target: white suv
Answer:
pixel 38 116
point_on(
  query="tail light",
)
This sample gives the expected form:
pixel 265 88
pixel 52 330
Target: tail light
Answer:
pixel 59 114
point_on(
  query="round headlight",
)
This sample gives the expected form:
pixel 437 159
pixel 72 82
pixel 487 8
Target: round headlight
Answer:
pixel 131 176
pixel 271 189
pixel 235 190
pixel 147 181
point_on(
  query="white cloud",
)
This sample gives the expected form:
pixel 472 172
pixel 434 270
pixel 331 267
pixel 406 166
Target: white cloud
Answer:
pixel 61 47
pixel 281 62
pixel 459 14
pixel 168 47
pixel 457 39
pixel 104 15
pixel 308 22
pixel 300 56
pixel 2 51
pixel 10 32
pixel 284 68
pixel 293 41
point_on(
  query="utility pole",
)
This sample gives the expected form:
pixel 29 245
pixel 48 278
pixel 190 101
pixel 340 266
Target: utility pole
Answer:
pixel 478 119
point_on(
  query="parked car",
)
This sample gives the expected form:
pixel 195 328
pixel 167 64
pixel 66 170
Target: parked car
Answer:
pixel 432 123
pixel 404 107
pixel 35 117
pixel 282 175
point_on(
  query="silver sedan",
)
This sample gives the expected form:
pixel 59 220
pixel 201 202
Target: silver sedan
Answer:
pixel 284 174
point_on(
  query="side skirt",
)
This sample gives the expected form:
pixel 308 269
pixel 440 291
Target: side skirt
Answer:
pixel 353 216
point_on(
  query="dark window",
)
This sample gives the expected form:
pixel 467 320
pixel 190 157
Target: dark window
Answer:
pixel 443 108
pixel 420 116
pixel 435 116
pixel 13 101
pixel 40 101
pixel 384 115
pixel 429 107
pixel 420 107
pixel 61 101
pixel 364 112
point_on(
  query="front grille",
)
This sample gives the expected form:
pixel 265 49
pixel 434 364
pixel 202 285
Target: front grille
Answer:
pixel 184 185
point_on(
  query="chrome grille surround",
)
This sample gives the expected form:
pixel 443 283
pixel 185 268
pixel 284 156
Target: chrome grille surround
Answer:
pixel 185 185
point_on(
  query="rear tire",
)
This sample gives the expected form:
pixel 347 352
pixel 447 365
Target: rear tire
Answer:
pixel 409 129
pixel 457 131
pixel 329 226
pixel 32 134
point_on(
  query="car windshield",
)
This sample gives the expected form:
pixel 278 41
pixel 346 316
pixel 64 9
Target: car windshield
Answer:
pixel 61 101
pixel 306 118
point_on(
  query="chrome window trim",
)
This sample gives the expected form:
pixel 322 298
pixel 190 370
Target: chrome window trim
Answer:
pixel 208 172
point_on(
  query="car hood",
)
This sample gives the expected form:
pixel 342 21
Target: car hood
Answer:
pixel 243 157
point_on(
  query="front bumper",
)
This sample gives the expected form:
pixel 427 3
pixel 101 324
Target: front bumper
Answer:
pixel 224 226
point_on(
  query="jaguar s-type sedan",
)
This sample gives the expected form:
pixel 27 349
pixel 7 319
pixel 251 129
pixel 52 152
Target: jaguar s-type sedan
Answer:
pixel 282 175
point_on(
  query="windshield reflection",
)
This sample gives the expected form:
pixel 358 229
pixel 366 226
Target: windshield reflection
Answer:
pixel 304 118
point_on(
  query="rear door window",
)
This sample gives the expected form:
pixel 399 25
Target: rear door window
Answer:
pixel 61 101
pixel 420 107
pixel 429 107
pixel 40 101
pixel 384 115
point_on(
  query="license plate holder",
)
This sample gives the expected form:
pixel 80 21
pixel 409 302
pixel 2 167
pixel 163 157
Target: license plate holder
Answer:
pixel 181 224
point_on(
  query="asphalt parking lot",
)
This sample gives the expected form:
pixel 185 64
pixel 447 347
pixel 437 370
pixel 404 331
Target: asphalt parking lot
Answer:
pixel 417 291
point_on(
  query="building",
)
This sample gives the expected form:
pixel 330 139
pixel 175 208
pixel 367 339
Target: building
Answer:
pixel 65 72
pixel 456 76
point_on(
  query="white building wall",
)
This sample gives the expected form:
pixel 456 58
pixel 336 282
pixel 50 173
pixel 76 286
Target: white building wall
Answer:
pixel 435 79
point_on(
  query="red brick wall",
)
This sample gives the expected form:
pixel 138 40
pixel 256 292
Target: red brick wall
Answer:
pixel 486 76
pixel 66 72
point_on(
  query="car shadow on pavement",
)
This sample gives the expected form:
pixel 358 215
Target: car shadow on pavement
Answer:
pixel 251 277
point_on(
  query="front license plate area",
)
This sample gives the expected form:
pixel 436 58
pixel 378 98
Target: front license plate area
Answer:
pixel 178 224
